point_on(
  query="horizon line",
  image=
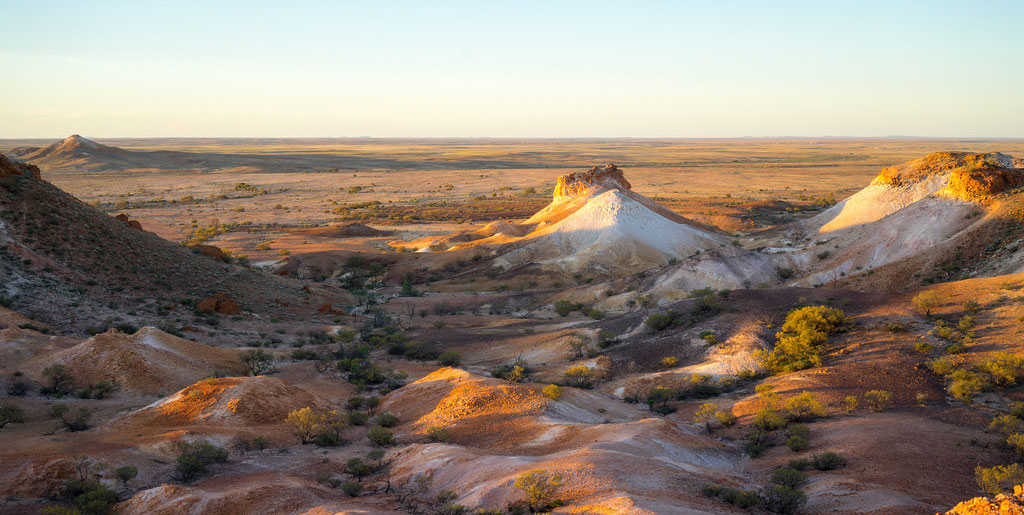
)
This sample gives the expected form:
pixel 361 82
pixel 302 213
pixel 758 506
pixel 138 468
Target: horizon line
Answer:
pixel 545 138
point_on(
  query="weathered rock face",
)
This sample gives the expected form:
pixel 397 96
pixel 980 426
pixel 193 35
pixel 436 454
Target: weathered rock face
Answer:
pixel 218 303
pixel 578 184
pixel 211 251
pixel 134 224
pixel 11 168
pixel 969 176
pixel 1011 504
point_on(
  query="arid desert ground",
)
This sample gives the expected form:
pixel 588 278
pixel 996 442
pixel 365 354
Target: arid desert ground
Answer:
pixel 511 326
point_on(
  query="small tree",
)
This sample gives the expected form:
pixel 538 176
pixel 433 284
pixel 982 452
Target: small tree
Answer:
pixel 539 487
pixel 60 382
pixel 659 396
pixel 257 361
pixel 304 423
pixel 804 407
pixel 928 300
pixel 705 415
pixel 578 346
pixel 579 376
pixel 332 421
pixel 358 468
pixel 11 414
pixel 78 422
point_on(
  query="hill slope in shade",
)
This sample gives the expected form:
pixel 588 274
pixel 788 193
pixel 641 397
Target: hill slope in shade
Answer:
pixel 59 252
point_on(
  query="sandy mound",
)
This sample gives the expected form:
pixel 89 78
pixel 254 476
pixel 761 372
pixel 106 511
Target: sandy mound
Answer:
pixel 267 493
pixel 149 362
pixel 500 429
pixel 948 175
pixel 244 401
pixel 611 231
pixel 728 358
pixel 345 231
pixel 594 221
pixel 72 146
pixel 504 228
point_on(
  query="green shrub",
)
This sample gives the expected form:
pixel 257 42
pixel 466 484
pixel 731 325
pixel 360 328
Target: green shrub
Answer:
pixel 580 376
pixel 449 359
pixel 552 391
pixel 1016 442
pixel 783 499
pixel 91 497
pixel 928 300
pixel 740 498
pixel 386 419
pixel 999 479
pixel 966 384
pixel 878 400
pixel 800 464
pixel 804 407
pixel 784 273
pixel 788 477
pixel 195 457
pixel 438 434
pixel 11 414
pixel 662 321
pixel 564 307
pixel 1004 369
pixel 59 382
pixel 78 422
pixel 828 461
pixel 798 443
pixel 351 488
pixel 940 366
pixel 802 339
pixel 380 437
pixel 539 489
pixel 1006 424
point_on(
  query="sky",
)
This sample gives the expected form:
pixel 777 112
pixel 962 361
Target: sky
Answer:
pixel 512 69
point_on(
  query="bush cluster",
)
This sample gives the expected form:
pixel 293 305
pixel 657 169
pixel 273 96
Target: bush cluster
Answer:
pixel 802 340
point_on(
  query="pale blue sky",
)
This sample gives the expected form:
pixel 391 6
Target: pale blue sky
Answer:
pixel 517 69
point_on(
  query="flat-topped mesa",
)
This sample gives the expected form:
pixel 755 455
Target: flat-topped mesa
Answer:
pixel 579 184
pixel 968 175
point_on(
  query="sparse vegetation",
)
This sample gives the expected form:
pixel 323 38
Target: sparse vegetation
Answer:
pixel 801 341
pixel 195 458
pixel 878 400
pixel 539 489
pixel 928 300
pixel 551 391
